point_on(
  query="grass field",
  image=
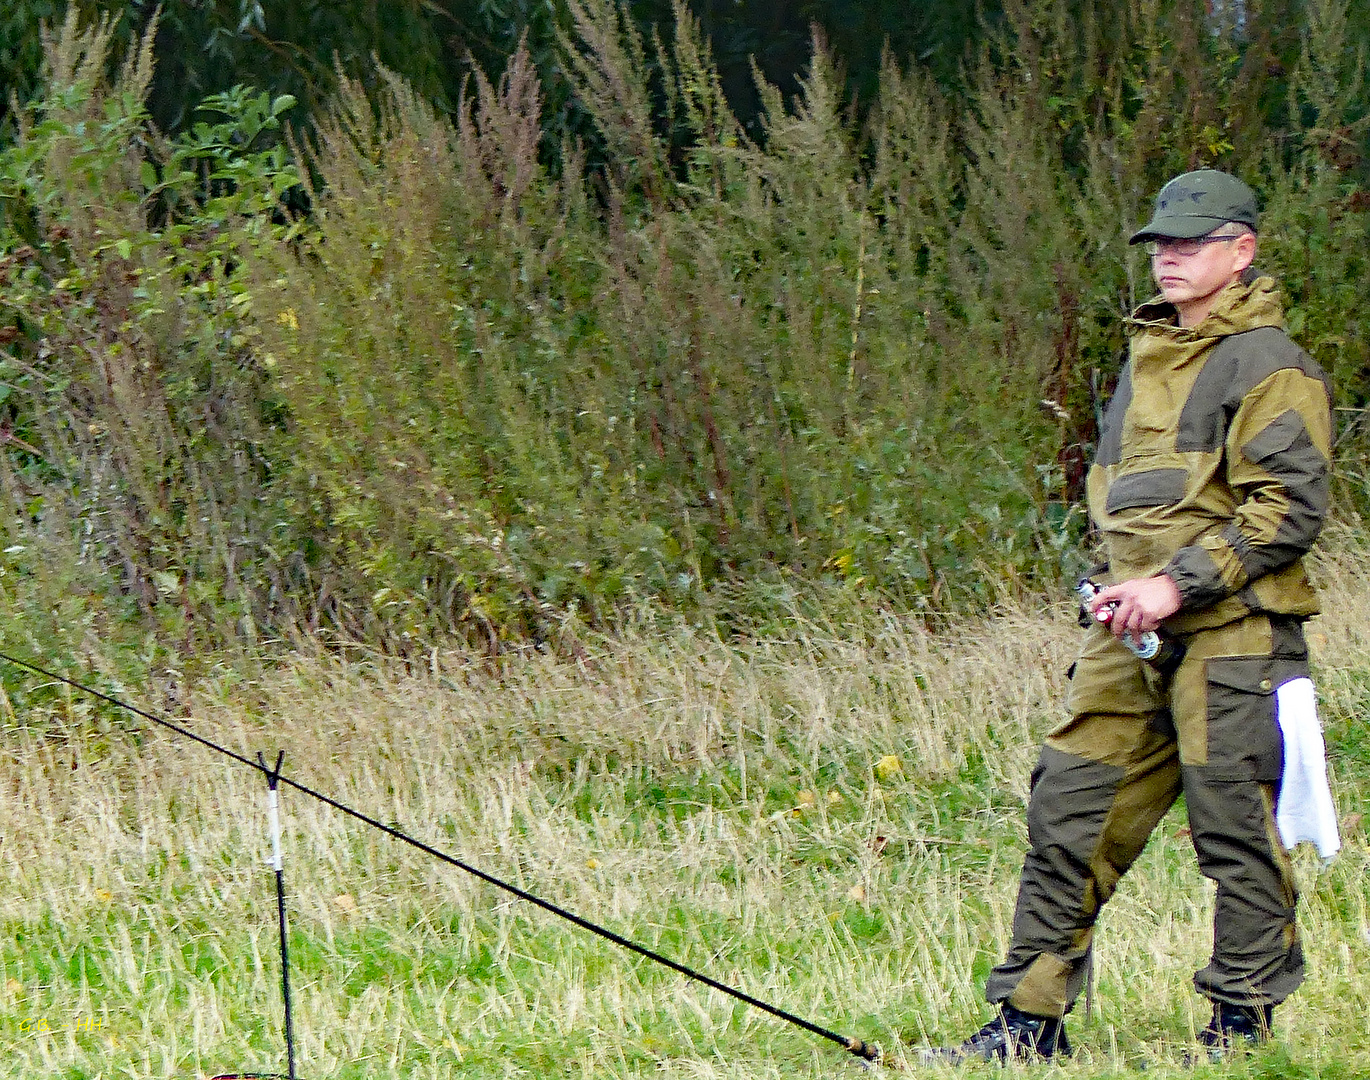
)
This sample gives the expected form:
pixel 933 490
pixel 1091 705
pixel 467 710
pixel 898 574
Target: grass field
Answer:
pixel 830 820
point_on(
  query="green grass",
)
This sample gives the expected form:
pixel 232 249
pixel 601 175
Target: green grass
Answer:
pixel 718 803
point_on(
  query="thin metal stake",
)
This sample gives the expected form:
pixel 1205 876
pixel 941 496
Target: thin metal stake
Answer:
pixel 273 812
pixel 1089 986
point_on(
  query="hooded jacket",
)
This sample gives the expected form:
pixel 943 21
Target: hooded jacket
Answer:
pixel 1213 461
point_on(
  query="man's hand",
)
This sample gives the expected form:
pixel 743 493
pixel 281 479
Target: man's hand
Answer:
pixel 1139 605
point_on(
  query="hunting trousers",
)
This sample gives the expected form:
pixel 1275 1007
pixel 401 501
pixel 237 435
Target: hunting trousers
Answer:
pixel 1134 741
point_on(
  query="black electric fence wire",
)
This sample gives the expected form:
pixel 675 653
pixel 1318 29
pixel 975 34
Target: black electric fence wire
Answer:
pixel 869 1052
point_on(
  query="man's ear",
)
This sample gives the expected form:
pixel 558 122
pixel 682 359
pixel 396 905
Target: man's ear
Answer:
pixel 1243 252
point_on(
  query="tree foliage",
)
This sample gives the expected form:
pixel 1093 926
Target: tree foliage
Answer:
pixel 298 47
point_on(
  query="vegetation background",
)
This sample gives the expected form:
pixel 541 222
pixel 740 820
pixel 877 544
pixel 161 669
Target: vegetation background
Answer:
pixel 561 431
pixel 397 353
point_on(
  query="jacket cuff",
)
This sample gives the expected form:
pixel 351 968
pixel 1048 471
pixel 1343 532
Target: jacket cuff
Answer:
pixel 1197 578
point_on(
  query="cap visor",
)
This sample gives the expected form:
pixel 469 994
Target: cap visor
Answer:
pixel 1176 228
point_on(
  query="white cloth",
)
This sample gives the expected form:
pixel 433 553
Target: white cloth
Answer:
pixel 1305 810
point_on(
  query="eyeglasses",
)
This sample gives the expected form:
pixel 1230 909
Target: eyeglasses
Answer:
pixel 1183 248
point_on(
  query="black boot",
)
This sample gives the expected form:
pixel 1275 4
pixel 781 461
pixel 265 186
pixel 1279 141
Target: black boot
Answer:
pixel 1012 1034
pixel 1235 1027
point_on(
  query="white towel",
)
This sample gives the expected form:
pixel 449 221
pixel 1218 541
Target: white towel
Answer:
pixel 1305 810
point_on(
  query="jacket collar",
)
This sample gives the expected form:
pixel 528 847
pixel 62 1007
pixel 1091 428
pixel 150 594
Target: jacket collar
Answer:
pixel 1251 301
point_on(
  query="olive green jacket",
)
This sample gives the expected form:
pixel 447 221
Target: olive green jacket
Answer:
pixel 1213 459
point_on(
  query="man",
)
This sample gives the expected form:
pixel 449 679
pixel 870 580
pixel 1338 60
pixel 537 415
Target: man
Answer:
pixel 1209 486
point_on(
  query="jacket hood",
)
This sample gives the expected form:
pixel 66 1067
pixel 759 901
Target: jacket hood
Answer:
pixel 1250 302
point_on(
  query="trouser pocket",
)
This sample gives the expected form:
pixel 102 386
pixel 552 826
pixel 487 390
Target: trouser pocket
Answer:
pixel 1243 736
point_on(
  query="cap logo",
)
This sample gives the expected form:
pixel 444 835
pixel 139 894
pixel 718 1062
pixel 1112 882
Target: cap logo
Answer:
pixel 1196 196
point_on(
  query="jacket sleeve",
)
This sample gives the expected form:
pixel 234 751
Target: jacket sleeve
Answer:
pixel 1278 450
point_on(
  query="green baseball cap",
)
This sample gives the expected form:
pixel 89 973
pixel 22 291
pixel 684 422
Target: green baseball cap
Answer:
pixel 1196 203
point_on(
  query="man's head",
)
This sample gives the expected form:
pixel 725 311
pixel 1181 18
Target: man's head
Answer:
pixel 1201 238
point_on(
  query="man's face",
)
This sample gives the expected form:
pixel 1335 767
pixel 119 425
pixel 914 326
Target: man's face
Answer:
pixel 1191 279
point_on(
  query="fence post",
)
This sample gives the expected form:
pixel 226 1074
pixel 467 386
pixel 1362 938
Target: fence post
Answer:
pixel 273 776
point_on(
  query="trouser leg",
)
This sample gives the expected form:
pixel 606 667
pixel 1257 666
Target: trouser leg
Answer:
pixel 1105 777
pixel 1257 957
pixel 1232 754
pixel 1102 783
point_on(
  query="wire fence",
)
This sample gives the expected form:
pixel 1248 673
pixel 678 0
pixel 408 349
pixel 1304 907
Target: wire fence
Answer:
pixel 275 778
